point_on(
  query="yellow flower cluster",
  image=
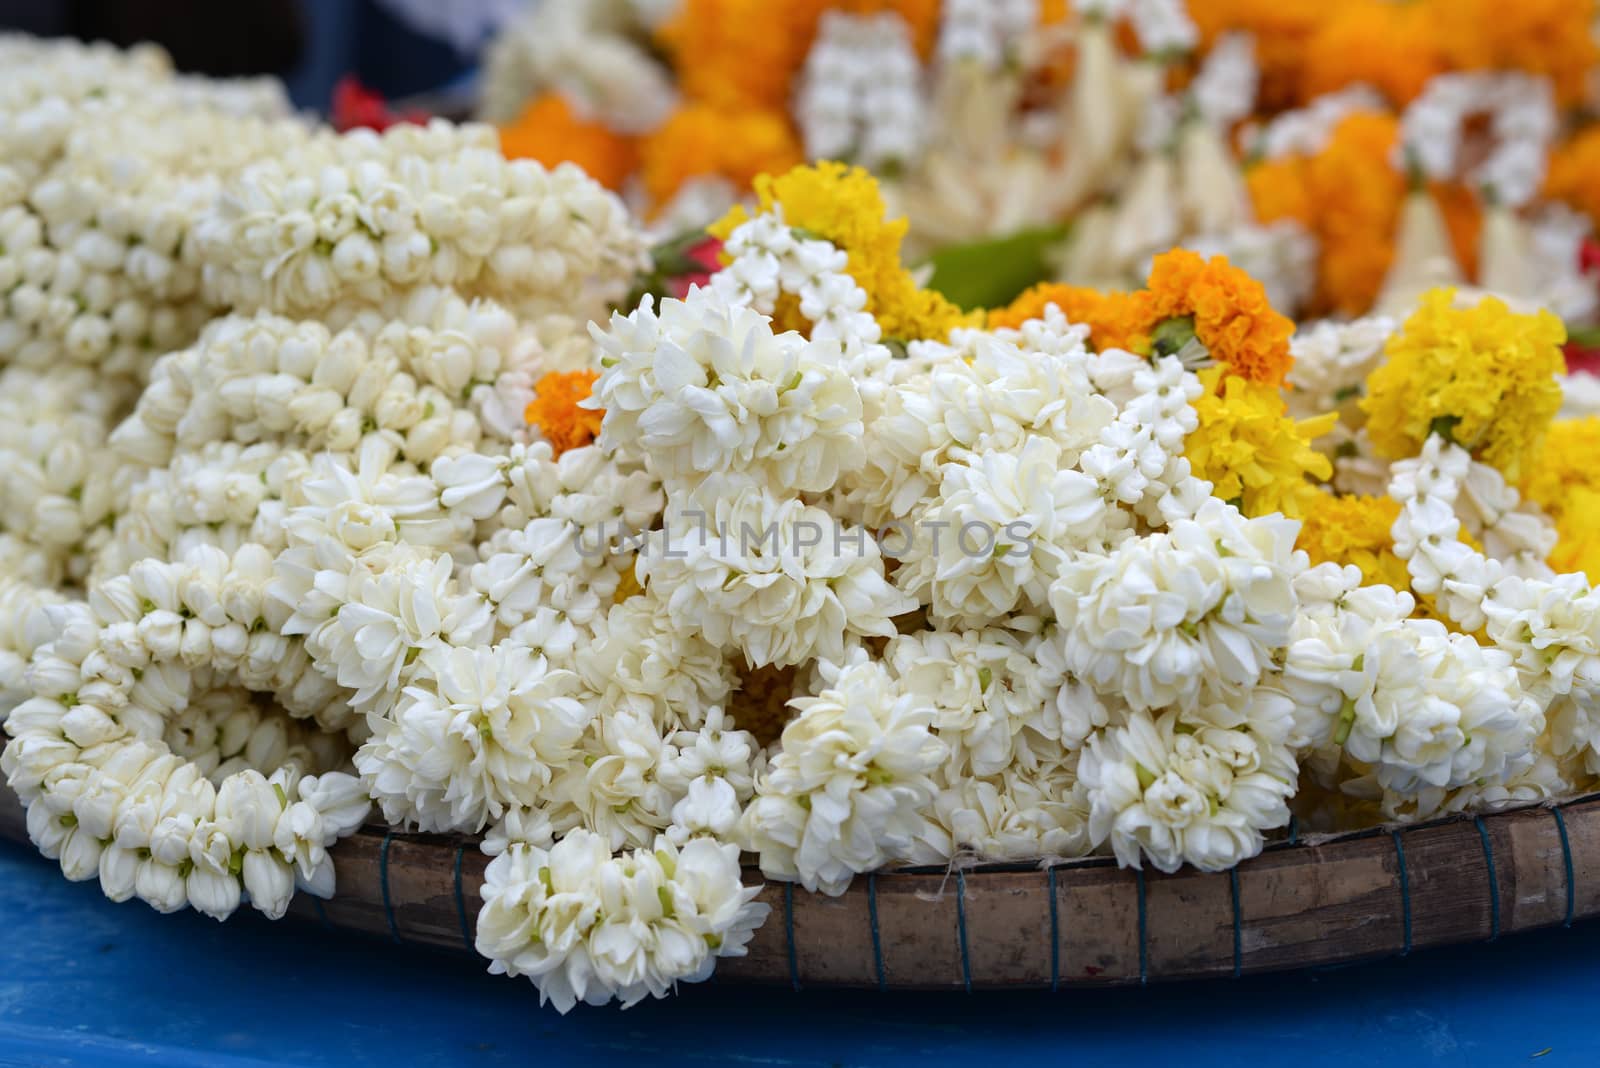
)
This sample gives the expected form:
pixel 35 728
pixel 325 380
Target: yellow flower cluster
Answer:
pixel 1578 534
pixel 1251 451
pixel 1565 482
pixel 1350 529
pixel 1484 377
pixel 843 205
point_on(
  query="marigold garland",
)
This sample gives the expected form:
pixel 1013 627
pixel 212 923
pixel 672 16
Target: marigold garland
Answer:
pixel 555 409
pixel 740 53
pixel 1565 482
pixel 1567 461
pixel 1251 451
pixel 1484 376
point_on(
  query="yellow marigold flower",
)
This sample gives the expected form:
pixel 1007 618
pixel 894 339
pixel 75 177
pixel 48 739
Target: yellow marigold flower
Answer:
pixel 1484 376
pixel 548 131
pixel 1355 530
pixel 1230 313
pixel 554 409
pixel 1567 462
pixel 1251 451
pixel 844 205
pixel 1351 529
pixel 1578 534
pixel 701 140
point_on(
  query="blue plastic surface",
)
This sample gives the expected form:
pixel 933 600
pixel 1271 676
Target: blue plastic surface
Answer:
pixel 87 982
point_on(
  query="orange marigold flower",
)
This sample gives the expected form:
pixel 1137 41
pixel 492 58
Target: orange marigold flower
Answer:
pixel 740 53
pixel 1386 45
pixel 549 131
pixel 1282 29
pixel 701 140
pixel 1574 175
pixel 1232 317
pixel 1280 189
pixel 1349 196
pixel 1462 209
pixel 1549 37
pixel 1112 318
pixel 554 409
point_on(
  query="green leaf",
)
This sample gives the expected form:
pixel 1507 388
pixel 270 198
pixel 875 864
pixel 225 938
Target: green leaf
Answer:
pixel 1584 337
pixel 991 273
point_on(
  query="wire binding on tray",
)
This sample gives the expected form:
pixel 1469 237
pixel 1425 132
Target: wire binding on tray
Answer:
pixel 1238 922
pixel 461 904
pixel 1494 880
pixel 788 930
pixel 1144 949
pixel 1405 893
pixel 961 929
pixel 1566 859
pixel 1055 933
pixel 383 878
pixel 877 936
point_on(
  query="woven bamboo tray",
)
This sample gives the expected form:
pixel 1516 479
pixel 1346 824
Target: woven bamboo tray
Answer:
pixel 1299 904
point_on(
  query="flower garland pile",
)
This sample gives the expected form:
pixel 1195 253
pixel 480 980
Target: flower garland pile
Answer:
pixel 806 567
pixel 1292 138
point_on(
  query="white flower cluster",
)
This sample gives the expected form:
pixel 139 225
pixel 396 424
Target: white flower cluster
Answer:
pixel 860 96
pixel 431 372
pixel 984 32
pixel 108 163
pixel 1332 361
pixel 1305 131
pixel 363 216
pixel 1522 125
pixel 588 926
pixel 768 260
pixel 1400 711
pixel 826 600
pixel 138 753
pixel 588 53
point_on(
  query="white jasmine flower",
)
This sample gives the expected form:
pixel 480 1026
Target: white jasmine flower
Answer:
pixel 999 533
pixel 705 386
pixel 477 732
pixel 780 580
pixel 584 925
pixel 1205 605
pixel 842 794
pixel 1202 795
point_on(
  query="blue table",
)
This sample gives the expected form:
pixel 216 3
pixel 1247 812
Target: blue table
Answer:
pixel 87 982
